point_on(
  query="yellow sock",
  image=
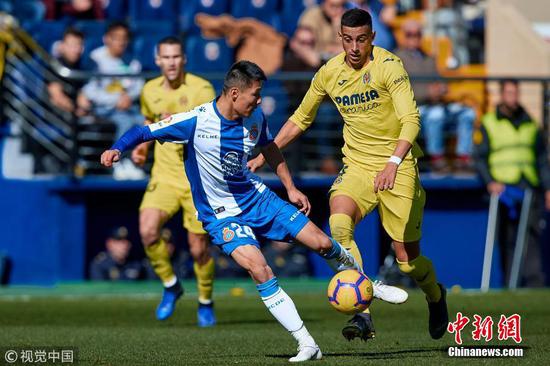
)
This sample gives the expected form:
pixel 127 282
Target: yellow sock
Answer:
pixel 341 228
pixel 205 279
pixel 160 260
pixel 422 271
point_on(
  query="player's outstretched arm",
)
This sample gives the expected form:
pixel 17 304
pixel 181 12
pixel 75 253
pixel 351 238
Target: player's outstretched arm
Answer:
pixel 288 133
pixel 131 138
pixel 277 162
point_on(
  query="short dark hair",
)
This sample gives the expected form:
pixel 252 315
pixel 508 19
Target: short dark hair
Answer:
pixel 241 75
pixel 117 24
pixel 354 18
pixel 71 31
pixel 503 83
pixel 169 40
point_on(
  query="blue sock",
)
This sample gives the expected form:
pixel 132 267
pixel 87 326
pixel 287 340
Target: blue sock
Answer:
pixel 334 252
pixel 268 288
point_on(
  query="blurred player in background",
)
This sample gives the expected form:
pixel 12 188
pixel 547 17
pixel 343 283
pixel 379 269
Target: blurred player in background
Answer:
pixel 233 204
pixel 371 89
pixel 168 190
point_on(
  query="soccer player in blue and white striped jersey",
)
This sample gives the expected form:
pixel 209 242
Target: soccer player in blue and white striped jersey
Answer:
pixel 232 203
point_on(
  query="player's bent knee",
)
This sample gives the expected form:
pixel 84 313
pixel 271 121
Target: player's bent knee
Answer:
pixel 324 244
pixel 260 273
pixel 149 234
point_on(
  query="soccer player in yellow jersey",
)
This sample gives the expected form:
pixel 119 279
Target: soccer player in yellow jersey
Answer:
pixel 371 89
pixel 168 190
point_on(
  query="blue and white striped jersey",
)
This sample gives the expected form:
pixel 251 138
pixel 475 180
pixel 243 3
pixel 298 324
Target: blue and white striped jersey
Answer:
pixel 216 154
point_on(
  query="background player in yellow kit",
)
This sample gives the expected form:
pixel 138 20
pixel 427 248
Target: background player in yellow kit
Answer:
pixel 372 92
pixel 168 190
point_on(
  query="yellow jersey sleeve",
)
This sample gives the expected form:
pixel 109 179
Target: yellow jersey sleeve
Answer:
pixel 305 114
pixel 399 87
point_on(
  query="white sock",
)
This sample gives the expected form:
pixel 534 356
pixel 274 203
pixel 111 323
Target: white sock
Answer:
pixel 303 337
pixel 280 305
pixel 171 282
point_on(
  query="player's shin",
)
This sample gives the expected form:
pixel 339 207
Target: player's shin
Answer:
pixel 422 271
pixel 160 261
pixel 342 228
pixel 205 280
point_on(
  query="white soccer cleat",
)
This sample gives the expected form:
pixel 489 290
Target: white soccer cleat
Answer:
pixel 391 294
pixel 306 353
pixel 343 262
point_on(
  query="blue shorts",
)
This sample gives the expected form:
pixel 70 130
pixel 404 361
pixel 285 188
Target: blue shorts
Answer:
pixel 271 218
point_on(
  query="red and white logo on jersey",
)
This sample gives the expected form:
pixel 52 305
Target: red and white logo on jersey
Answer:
pixel 253 133
pixel 228 234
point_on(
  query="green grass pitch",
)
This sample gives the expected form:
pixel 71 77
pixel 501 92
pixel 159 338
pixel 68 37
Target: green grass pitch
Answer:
pixel 115 325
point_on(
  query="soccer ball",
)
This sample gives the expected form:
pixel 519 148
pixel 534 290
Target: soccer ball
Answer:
pixel 350 292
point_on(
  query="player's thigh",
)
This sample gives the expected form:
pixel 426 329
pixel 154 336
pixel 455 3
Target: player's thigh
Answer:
pixel 190 221
pixel 161 196
pixel 352 192
pixel 251 258
pixel 314 238
pixel 401 208
pixel 230 233
pixel 280 220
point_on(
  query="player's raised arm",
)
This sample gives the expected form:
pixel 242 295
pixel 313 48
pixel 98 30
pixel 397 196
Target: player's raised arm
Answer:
pixel 176 128
pixel 277 162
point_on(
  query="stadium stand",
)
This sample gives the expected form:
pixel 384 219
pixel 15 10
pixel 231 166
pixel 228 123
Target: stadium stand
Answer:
pixel 207 55
pixel 188 10
pixel 152 9
pixel 266 11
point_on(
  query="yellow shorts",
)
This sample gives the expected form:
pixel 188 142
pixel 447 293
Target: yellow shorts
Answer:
pixel 400 209
pixel 170 199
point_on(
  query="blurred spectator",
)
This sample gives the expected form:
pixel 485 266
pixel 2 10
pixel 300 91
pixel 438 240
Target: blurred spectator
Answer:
pixel 302 56
pixel 435 112
pixel 115 98
pixel 180 259
pixel 65 95
pixel 73 9
pixel 447 21
pixel 324 19
pixel 511 157
pixel 287 260
pixel 114 264
pixel 381 20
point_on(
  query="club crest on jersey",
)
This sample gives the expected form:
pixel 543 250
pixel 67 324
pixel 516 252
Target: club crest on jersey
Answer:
pixel 366 78
pixel 228 234
pixel 231 164
pixel 253 133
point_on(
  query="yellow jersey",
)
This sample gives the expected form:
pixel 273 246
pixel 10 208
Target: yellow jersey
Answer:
pixel 156 100
pixel 377 105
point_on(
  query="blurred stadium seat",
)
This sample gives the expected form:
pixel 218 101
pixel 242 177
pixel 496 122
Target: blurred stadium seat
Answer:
pixel 275 104
pixel 291 12
pixel 115 9
pixel 160 28
pixel 152 9
pixel 6 6
pixel 207 55
pixel 32 10
pixel 188 10
pixel 91 28
pixel 45 33
pixel 266 11
pixel 146 35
